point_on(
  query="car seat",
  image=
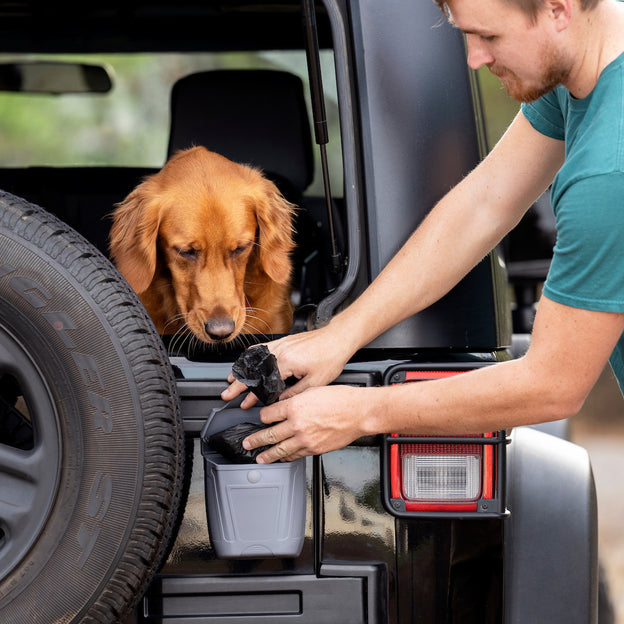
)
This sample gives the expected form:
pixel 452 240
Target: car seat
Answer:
pixel 256 117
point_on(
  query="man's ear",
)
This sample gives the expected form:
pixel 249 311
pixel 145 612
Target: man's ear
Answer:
pixel 560 12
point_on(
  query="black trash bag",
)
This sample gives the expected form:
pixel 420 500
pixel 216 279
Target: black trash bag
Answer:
pixel 229 443
pixel 257 369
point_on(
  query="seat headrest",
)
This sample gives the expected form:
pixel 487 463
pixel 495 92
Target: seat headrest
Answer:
pixel 255 117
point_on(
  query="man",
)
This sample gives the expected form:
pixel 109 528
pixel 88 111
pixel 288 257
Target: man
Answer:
pixel 575 131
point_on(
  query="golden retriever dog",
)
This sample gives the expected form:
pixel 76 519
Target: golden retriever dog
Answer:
pixel 206 245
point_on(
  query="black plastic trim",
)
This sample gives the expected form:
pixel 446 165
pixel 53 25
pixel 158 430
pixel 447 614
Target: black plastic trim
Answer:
pixel 551 537
pixel 376 576
pixel 346 593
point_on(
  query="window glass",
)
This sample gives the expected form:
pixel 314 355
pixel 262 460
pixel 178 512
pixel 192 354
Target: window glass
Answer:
pixel 129 126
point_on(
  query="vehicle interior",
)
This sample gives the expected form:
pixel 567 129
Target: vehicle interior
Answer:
pixel 221 88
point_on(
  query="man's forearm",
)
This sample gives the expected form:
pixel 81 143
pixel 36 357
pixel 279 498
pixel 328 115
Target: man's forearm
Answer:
pixel 569 350
pixel 496 397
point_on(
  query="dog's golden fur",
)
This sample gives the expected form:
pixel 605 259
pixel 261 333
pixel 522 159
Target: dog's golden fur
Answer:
pixel 206 245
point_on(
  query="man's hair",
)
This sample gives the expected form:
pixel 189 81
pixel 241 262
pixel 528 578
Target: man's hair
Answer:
pixel 530 7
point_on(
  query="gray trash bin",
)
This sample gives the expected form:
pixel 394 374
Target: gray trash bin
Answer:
pixel 253 510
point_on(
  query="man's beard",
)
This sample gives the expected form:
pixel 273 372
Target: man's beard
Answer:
pixel 555 74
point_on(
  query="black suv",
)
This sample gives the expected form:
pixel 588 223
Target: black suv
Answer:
pixel 105 487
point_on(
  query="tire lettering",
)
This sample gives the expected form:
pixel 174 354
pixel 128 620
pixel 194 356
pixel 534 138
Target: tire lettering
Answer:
pixel 87 543
pixel 100 496
pixel 6 269
pixel 102 417
pixel 61 322
pixel 88 369
pixel 32 292
pixel 99 500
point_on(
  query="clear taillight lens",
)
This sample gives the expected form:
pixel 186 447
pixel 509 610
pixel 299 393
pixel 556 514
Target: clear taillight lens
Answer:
pixel 441 477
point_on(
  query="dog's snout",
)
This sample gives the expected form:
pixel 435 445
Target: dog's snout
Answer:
pixel 220 328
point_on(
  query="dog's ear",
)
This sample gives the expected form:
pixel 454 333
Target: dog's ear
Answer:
pixel 275 224
pixel 133 236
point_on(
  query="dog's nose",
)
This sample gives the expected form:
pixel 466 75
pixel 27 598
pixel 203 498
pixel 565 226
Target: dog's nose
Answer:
pixel 219 329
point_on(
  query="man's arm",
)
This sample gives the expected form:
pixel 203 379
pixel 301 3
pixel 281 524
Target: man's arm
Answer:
pixel 569 349
pixel 461 229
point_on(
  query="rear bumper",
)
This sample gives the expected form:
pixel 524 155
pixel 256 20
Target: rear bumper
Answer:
pixel 350 594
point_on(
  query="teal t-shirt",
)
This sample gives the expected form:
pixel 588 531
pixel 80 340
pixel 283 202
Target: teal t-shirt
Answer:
pixel 587 197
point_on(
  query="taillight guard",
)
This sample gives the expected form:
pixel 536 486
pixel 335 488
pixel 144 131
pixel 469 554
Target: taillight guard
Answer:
pixel 449 476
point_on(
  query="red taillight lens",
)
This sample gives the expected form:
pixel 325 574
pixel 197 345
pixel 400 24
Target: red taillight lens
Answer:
pixel 441 476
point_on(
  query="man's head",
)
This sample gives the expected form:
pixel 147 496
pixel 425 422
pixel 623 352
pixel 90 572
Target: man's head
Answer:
pixel 530 7
pixel 523 42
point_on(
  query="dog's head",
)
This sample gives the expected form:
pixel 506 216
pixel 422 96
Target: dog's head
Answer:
pixel 197 238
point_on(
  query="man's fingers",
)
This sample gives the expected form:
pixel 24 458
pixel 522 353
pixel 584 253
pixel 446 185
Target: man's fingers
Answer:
pixel 278 437
pixel 274 413
pixel 264 437
pixel 303 384
pixel 249 401
pixel 284 451
pixel 236 388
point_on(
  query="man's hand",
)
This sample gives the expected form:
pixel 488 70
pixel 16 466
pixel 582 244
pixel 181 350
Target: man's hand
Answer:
pixel 313 358
pixel 316 421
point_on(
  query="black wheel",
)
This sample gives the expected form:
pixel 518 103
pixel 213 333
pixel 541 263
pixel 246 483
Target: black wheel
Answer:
pixel 91 438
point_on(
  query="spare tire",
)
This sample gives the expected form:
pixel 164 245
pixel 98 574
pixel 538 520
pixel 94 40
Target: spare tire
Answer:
pixel 91 437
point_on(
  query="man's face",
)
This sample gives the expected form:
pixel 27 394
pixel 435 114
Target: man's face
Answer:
pixel 524 54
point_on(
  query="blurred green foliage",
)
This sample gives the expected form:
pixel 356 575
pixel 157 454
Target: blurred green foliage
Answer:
pixel 498 108
pixel 127 127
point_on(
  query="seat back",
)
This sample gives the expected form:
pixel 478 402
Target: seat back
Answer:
pixel 256 117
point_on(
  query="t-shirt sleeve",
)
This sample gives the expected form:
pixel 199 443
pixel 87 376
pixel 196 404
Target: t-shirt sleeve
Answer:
pixel 545 116
pixel 587 269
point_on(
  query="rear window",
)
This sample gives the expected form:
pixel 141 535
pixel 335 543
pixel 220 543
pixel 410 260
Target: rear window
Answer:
pixel 129 125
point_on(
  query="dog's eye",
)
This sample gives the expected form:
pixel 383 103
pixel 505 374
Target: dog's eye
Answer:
pixel 189 254
pixel 239 250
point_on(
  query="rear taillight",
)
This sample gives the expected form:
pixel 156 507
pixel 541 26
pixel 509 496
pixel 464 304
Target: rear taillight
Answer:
pixel 434 476
pixel 426 474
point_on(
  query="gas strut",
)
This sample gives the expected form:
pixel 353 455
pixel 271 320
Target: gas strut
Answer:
pixel 318 113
